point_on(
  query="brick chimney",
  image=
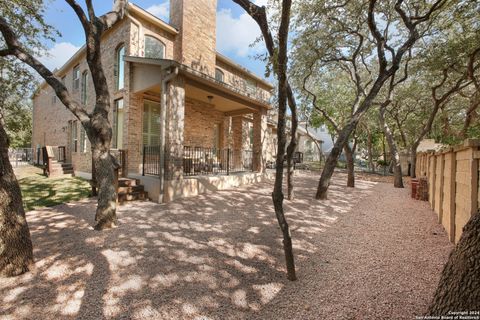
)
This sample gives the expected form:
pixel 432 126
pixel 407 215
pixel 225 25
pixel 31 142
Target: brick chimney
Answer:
pixel 196 42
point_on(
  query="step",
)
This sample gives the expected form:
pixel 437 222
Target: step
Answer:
pixel 126 182
pixel 136 188
pixel 134 196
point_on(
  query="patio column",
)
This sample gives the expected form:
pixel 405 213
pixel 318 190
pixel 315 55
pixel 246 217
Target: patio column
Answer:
pixel 174 128
pixel 259 140
pixel 237 130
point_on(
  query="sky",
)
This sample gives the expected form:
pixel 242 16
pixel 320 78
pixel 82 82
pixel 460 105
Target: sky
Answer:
pixel 236 31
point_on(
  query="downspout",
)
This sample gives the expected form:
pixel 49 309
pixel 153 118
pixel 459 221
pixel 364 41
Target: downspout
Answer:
pixel 163 113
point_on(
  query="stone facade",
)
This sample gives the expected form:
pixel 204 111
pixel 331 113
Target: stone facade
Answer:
pixel 189 121
pixel 196 44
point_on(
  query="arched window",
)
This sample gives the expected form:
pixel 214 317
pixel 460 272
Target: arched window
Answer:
pixel 120 67
pixel 154 48
pixel 219 75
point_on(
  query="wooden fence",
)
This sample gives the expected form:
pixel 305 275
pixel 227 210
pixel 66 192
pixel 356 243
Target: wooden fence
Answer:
pixel 453 184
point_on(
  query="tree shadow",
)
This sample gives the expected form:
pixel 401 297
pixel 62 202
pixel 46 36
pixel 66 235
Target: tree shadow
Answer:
pixel 216 255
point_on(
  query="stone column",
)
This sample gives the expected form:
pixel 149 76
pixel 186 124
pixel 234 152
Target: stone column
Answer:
pixel 174 129
pixel 259 140
pixel 237 143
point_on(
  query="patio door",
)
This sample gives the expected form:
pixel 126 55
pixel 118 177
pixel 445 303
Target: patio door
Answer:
pixel 151 123
pixel 151 138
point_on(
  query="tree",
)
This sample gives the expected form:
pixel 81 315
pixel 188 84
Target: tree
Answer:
pixel 278 56
pixel 459 285
pixel 16 253
pixel 339 27
pixel 95 123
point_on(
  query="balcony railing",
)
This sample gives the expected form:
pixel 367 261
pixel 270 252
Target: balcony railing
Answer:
pixel 208 161
pixel 201 161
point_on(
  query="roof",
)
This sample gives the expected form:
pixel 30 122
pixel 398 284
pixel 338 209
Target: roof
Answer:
pixel 135 9
pixel 166 63
pixel 311 133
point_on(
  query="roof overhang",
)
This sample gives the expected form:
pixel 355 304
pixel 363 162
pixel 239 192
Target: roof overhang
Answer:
pixel 151 72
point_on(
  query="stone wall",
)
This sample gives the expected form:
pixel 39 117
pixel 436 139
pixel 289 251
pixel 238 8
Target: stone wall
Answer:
pixel 238 79
pixel 51 120
pixel 453 186
pixel 200 121
pixel 196 44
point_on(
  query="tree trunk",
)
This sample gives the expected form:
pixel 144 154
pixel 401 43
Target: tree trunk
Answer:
pixel 370 152
pixel 277 194
pixel 331 161
pixel 392 145
pixel 413 156
pixel 350 166
pixel 290 165
pixel 459 286
pixel 16 255
pixel 104 165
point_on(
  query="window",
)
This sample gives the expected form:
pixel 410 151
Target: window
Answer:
pixel 76 78
pixel 154 48
pixel 84 87
pixel 251 86
pixel 219 76
pixel 151 123
pixel 120 68
pixel 83 140
pixel 74 138
pixel 118 115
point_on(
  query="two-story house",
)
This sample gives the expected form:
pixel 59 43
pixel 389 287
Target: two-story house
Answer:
pixel 181 110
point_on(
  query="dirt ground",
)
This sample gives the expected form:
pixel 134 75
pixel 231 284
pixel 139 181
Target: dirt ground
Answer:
pixel 366 253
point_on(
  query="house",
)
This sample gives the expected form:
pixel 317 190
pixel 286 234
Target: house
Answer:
pixel 186 119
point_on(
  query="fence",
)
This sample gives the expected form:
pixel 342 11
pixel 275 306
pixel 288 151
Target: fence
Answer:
pixel 453 184
pixel 20 157
pixel 206 161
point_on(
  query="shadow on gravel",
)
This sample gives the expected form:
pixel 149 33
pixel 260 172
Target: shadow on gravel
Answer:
pixel 217 255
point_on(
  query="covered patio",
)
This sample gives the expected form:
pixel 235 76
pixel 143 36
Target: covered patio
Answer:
pixel 193 125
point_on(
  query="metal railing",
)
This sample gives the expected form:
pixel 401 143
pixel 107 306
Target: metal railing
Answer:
pixel 121 156
pixel 151 160
pixel 208 161
pixel 20 156
pixel 59 154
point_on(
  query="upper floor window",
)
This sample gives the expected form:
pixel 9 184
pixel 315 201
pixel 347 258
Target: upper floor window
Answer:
pixel 76 78
pixel 219 76
pixel 84 87
pixel 154 48
pixel 120 68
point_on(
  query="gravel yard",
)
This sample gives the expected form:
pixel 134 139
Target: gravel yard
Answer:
pixel 366 253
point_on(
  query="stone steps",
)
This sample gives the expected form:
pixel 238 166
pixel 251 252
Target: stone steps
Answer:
pixel 58 169
pixel 130 190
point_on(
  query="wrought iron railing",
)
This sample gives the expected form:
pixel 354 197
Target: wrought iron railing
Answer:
pixel 151 160
pixel 208 161
pixel 201 161
pixel 121 156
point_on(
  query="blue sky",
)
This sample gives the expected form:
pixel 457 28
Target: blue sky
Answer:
pixel 235 30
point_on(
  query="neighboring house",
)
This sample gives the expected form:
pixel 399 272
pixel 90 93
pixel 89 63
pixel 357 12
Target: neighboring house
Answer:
pixel 180 109
pixel 309 143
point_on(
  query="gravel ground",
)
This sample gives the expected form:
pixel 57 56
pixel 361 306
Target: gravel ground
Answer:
pixel 366 253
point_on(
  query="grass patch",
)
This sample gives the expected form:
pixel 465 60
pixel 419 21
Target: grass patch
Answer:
pixel 40 191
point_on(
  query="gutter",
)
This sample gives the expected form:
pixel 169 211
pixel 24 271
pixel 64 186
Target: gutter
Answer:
pixel 163 116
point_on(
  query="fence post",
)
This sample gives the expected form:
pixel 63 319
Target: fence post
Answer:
pixel 228 161
pixel 143 161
